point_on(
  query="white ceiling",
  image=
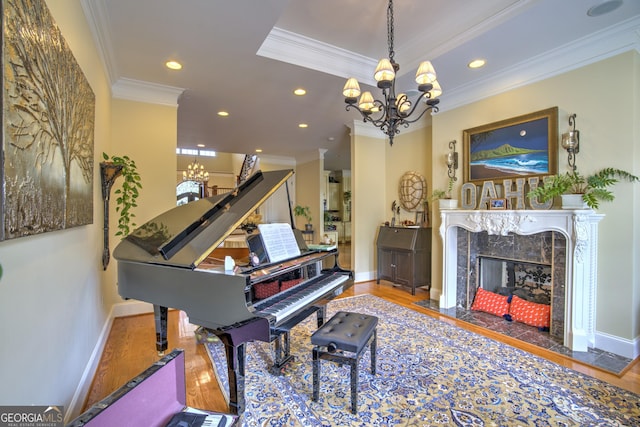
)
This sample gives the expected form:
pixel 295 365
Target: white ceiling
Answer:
pixel 247 56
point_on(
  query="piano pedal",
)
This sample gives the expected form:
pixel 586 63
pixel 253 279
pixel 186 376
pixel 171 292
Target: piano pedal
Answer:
pixel 203 336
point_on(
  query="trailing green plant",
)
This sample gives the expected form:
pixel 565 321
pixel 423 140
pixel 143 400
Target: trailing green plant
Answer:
pixel 593 188
pixel 127 194
pixel 303 211
pixel 443 194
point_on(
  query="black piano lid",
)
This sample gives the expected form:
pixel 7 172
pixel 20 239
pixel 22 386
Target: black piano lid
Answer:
pixel 183 236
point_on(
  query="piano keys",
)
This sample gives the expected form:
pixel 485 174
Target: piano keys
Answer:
pixel 170 262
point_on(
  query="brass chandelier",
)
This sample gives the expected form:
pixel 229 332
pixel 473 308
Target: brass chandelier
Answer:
pixel 195 172
pixel 393 110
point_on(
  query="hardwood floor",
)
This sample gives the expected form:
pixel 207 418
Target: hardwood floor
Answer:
pixel 130 349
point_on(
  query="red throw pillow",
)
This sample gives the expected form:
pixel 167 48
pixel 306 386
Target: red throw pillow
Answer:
pixel 490 302
pixel 531 313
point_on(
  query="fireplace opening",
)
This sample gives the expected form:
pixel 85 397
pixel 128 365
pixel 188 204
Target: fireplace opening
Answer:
pixel 529 266
pixel 528 280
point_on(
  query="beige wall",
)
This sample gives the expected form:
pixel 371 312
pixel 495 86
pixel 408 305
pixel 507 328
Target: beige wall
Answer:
pixel 147 134
pixel 411 151
pixel 368 201
pixel 52 310
pixel 605 98
pixel 308 178
pixel 376 170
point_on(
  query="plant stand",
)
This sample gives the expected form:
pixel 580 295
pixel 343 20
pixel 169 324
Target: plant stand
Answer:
pixel 108 174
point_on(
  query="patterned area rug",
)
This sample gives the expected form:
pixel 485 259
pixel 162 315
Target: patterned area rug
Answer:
pixel 430 373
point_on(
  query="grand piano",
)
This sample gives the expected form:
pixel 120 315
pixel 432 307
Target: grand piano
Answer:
pixel 168 262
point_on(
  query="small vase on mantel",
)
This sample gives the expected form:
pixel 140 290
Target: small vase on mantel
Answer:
pixel 573 201
pixel 448 203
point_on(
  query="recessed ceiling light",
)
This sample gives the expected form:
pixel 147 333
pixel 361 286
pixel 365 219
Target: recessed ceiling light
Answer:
pixel 258 150
pixel 303 125
pixel 476 63
pixel 604 7
pixel 201 145
pixel 173 65
pixel 223 113
pixel 300 91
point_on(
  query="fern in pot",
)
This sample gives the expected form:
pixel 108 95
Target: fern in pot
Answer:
pixel 591 189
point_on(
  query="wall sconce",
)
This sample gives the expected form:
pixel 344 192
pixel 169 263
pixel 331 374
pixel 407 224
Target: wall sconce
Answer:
pixel 452 161
pixel 571 142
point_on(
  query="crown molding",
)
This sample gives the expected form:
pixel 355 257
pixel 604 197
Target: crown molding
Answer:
pixel 278 160
pixel 134 90
pixel 293 48
pixel 152 93
pixel 414 48
pixel 97 19
pixel 296 49
pixel 587 50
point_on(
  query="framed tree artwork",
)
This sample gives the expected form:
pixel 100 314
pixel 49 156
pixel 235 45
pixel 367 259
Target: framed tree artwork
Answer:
pixel 47 126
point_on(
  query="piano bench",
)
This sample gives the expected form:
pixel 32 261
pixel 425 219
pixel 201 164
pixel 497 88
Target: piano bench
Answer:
pixel 342 340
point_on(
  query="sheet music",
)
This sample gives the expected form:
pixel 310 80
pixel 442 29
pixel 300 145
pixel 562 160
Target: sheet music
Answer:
pixel 279 241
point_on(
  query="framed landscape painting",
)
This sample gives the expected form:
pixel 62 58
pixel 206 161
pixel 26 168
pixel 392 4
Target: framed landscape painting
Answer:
pixel 519 147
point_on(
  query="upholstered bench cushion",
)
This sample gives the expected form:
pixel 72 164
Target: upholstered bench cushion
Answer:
pixel 346 331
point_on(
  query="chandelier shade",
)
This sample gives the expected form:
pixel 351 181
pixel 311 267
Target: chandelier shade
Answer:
pixel 392 111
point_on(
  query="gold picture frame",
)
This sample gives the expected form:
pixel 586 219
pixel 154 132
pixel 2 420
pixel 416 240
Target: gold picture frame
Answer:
pixel 48 127
pixel 497 204
pixel 520 147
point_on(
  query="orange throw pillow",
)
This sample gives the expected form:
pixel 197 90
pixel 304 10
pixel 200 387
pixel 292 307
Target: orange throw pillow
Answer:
pixel 490 302
pixel 531 313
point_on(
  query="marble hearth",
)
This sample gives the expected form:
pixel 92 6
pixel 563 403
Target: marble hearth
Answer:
pixel 575 236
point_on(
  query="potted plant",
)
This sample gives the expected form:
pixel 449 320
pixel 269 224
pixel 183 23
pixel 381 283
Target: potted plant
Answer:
pixel 305 212
pixel 445 199
pixel 590 190
pixel 110 169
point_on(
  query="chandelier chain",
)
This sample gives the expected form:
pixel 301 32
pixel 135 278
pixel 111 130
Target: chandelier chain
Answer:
pixel 390 31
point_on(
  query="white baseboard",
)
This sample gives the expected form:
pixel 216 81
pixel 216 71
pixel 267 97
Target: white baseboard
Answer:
pixel 364 277
pixel 79 397
pixel 131 308
pixel 127 308
pixel 620 346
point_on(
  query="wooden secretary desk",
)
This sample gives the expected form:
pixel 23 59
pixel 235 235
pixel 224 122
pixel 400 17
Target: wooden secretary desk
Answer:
pixel 404 256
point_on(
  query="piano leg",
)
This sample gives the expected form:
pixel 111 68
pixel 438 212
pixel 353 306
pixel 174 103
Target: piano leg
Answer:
pixel 321 314
pixel 235 374
pixel 160 317
pixel 281 352
pixel 234 340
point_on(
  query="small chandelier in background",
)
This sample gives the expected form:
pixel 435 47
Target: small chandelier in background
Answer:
pixel 393 110
pixel 195 172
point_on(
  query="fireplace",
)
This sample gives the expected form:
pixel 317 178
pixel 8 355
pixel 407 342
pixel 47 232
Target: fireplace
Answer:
pixel 530 266
pixel 563 240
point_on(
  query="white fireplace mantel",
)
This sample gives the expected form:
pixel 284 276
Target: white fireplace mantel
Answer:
pixel 580 228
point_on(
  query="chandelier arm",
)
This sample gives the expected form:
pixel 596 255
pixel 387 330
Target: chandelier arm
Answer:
pixel 378 120
pixel 405 116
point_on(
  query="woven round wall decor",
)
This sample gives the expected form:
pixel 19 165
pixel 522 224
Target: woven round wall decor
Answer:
pixel 412 191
